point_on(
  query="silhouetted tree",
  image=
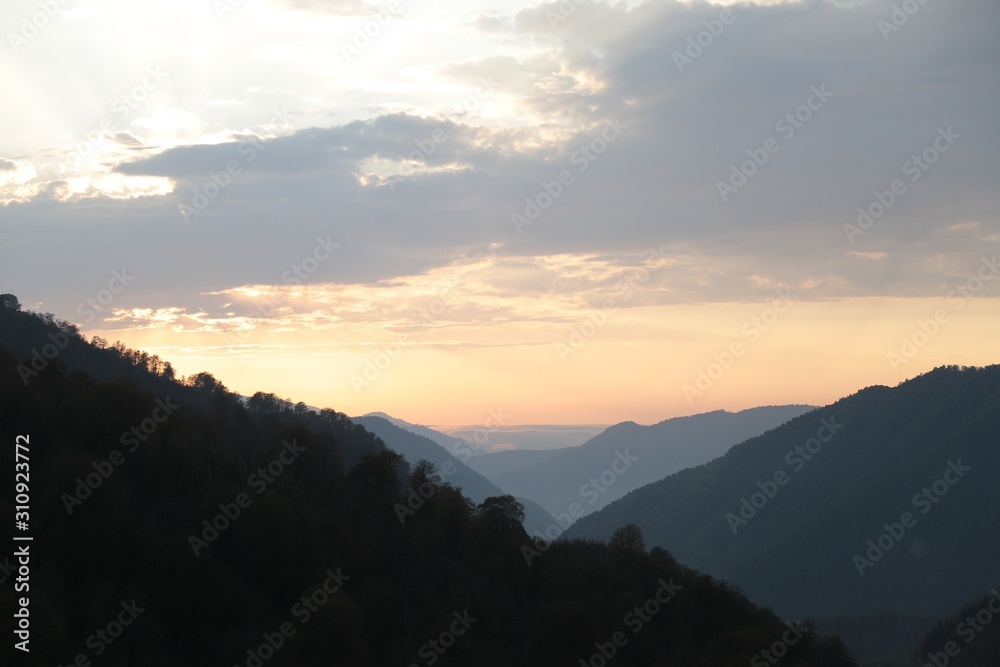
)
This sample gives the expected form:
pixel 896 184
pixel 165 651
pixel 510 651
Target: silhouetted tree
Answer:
pixel 628 538
pixel 503 513
pixel 206 382
pixel 9 303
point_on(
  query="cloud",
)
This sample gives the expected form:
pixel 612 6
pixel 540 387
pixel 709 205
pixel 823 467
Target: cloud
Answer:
pixel 337 7
pixel 413 195
pixel 126 139
pixel 491 22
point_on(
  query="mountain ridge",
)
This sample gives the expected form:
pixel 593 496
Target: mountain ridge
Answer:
pixel 565 478
pixel 477 488
pixel 894 443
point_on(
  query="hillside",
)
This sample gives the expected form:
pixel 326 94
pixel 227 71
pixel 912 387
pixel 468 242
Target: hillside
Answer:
pixel 515 460
pixel 453 468
pixel 455 446
pixel 487 464
pixel 969 638
pixel 876 503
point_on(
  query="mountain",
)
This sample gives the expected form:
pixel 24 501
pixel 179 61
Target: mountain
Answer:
pixel 452 468
pixel 498 436
pixel 193 527
pixel 627 456
pixel 487 464
pixel 876 503
pixel 512 461
pixel 455 446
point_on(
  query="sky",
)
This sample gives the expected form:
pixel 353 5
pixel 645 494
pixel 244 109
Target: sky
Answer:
pixel 569 212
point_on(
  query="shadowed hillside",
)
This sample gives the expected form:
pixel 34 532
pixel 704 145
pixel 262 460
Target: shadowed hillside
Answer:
pixel 453 468
pixel 876 503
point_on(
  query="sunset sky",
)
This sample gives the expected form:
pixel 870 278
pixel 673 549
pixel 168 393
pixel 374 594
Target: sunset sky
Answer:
pixel 577 212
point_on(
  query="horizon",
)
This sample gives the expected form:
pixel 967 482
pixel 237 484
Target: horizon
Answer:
pixel 647 418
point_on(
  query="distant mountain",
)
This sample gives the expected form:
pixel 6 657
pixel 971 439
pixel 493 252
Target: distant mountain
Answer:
pixel 473 485
pixel 513 461
pixel 627 456
pixel 487 464
pixel 884 501
pixel 454 445
pixel 502 437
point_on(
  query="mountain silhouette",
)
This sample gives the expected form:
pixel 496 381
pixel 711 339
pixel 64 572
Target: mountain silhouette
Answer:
pixel 876 503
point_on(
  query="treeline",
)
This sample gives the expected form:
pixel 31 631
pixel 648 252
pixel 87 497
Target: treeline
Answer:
pixel 970 638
